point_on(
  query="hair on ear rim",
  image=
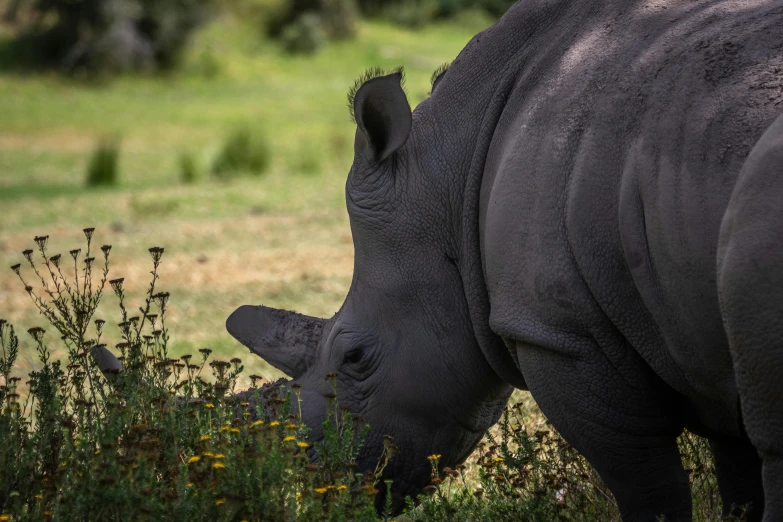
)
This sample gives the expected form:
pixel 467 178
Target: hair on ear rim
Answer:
pixel 369 74
pixel 437 73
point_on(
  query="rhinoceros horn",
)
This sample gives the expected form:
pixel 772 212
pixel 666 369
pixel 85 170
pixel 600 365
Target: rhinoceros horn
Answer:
pixel 286 340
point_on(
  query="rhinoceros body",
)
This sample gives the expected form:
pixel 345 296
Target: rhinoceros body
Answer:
pixel 588 206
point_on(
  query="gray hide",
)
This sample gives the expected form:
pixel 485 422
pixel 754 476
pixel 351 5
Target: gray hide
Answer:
pixel 579 209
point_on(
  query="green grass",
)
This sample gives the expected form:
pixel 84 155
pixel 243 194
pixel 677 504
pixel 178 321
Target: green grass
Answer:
pixel 282 240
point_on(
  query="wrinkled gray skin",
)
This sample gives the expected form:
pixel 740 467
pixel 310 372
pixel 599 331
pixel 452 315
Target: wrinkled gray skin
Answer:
pixel 587 206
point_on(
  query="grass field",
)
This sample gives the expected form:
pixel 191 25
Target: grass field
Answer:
pixel 281 239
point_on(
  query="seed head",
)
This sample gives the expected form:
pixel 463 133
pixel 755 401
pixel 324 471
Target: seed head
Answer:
pixel 89 261
pixel 162 298
pixel 156 253
pixel 41 241
pixel 88 233
pixel 116 285
pixel 55 260
pixel 16 268
pixel 28 254
pixel 75 253
pixel 106 249
pixel 36 333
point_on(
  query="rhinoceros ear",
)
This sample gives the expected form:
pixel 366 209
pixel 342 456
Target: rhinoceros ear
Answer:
pixel 382 115
pixel 286 340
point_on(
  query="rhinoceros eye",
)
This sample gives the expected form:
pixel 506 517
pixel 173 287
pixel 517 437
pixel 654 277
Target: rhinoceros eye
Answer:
pixel 353 356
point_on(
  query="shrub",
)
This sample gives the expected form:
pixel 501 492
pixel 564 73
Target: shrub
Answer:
pixel 188 168
pixel 412 14
pixel 304 35
pixel 244 150
pixel 108 36
pixel 304 25
pixel 103 166
pixel 150 438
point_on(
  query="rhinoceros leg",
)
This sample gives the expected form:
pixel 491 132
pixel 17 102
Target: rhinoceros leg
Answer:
pixel 750 284
pixel 738 468
pixel 621 420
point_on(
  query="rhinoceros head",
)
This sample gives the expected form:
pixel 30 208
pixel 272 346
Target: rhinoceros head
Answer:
pixel 402 344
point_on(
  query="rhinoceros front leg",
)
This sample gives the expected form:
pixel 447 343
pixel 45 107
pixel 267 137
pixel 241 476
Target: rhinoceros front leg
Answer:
pixel 620 417
pixel 738 468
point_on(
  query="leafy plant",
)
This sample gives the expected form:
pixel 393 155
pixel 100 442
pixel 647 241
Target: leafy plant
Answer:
pixel 103 166
pixel 188 168
pixel 145 435
pixel 245 150
pixel 107 37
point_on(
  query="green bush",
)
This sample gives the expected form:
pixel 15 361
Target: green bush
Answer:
pixel 103 166
pixel 412 14
pixel 304 25
pixel 304 35
pixel 188 168
pixel 245 150
pixel 151 438
pixel 107 36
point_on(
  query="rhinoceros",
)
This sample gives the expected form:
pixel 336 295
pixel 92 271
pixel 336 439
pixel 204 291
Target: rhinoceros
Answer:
pixel 589 206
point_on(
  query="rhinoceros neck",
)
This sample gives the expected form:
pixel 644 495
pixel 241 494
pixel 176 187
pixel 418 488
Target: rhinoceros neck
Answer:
pixel 466 107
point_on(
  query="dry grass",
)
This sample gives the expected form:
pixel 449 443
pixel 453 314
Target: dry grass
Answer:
pixel 297 262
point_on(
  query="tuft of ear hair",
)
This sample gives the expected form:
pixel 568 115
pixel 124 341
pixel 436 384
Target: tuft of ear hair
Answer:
pixel 369 74
pixel 437 73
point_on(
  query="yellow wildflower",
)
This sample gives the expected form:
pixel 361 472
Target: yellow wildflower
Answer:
pixel 322 491
pixel 194 458
pixel 303 445
pixel 434 456
pixel 289 439
pixel 209 406
pixel 234 430
pixel 257 424
pixel 172 392
pixel 298 497
pixel 208 454
pixel 190 484
pixel 219 465
pixel 274 423
pixel 342 487
pixel 3 518
pixel 39 497
pixel 225 428
pixel 497 459
pixel 291 426
pixel 330 486
pixel 204 438
pixel 97 452
pixel 220 456
pixel 47 513
pixel 220 501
